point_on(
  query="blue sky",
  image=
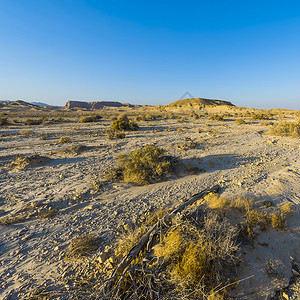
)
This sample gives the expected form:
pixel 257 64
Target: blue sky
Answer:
pixel 151 52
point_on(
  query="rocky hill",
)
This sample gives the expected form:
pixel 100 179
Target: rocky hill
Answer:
pixel 200 102
pixel 96 104
pixel 16 104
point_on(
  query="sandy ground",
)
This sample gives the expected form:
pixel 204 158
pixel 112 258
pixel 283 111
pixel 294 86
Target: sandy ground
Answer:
pixel 241 158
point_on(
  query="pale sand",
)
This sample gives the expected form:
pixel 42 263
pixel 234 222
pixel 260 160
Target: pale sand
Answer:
pixel 238 157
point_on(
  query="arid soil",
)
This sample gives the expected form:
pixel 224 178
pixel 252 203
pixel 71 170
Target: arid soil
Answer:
pixel 69 182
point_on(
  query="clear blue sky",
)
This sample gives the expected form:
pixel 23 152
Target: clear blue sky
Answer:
pixel 151 52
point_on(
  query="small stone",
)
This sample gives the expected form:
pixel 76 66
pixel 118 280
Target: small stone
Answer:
pixel 296 273
pixel 56 248
pixel 128 226
pixel 90 207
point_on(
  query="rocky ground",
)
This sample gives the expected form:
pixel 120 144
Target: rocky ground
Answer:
pixel 69 182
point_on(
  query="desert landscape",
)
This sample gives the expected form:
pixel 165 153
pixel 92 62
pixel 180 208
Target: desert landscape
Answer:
pixel 96 203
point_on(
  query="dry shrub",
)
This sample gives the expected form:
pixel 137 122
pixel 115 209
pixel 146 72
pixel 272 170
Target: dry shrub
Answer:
pixel 3 121
pixel 240 121
pixel 216 118
pixel 278 219
pixel 47 214
pixel 22 162
pixel 254 216
pixel 126 242
pixel 88 119
pixel 123 123
pixel 214 201
pixel 188 144
pixel 64 140
pixel 74 149
pixel 194 115
pixel 113 134
pixel 28 211
pixel 286 129
pixel 200 257
pixel 141 166
pixel 260 117
pixel 34 121
pixel 243 204
pixel 25 131
pixel 82 247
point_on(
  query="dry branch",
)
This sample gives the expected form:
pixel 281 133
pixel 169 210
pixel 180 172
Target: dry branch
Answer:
pixel 133 253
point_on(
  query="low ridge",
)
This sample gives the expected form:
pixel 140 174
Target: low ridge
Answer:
pixel 200 102
pixel 95 104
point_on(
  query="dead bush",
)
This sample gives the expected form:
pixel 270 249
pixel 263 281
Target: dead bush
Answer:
pixel 82 247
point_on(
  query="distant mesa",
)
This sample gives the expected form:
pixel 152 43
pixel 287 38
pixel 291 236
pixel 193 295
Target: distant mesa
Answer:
pixel 96 104
pixel 200 102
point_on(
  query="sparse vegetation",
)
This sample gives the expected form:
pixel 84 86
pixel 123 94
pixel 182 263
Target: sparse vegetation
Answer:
pixel 188 144
pixel 74 149
pixel 123 123
pixel 34 121
pixel 48 214
pixel 254 216
pixel 22 162
pixel 82 247
pixel 141 166
pixel 88 119
pixel 26 131
pixel 3 121
pixel 216 118
pixel 114 134
pixel 260 117
pixel 64 140
pixel 192 258
pixel 286 129
pixel 240 121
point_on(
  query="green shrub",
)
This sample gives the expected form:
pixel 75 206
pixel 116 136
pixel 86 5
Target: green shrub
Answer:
pixel 123 123
pixel 141 166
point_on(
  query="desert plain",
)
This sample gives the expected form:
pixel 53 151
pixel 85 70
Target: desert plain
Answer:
pixel 55 188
